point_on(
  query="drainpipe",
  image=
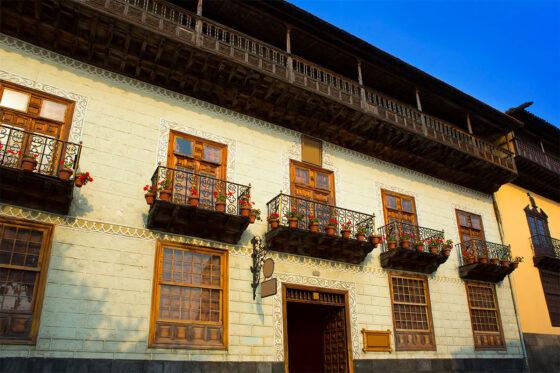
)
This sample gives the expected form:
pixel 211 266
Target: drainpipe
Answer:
pixel 500 231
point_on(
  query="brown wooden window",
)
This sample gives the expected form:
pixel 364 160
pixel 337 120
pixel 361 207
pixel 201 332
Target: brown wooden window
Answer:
pixel 312 183
pixel 398 207
pixel 470 226
pixel 189 306
pixel 35 111
pixel 412 316
pixel 551 287
pixel 485 316
pixel 24 257
pixel 312 151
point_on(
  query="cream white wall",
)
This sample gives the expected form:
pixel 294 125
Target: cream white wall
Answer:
pixel 98 295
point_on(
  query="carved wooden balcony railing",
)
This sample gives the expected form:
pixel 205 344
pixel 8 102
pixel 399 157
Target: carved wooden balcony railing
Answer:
pixel 176 215
pixel 546 252
pixel 40 189
pixel 536 155
pixel 410 259
pixel 475 260
pixel 201 32
pixel 302 241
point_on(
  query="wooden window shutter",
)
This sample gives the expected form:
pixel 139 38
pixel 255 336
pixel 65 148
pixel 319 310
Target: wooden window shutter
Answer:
pixel 551 287
pixel 312 151
pixel 24 257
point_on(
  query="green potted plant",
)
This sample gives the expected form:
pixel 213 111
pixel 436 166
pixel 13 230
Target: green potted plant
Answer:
pixel 220 201
pixel 272 219
pixel 515 262
pixel 434 245
pixel 255 215
pixel 404 239
pixel 484 257
pixel 313 223
pixel 446 247
pixel 419 244
pixel 504 262
pixel 82 178
pixel 361 232
pixel 193 197
pixel 245 205
pixel 151 191
pixel 293 218
pixel 65 170
pixel 28 161
pixel 165 190
pixel 345 229
pixel 391 242
pixel 494 260
pixel 331 226
pixel 375 239
pixel 468 256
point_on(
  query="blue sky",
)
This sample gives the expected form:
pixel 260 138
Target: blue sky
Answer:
pixel 502 52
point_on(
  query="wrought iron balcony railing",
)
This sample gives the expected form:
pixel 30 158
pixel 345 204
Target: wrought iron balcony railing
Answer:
pixel 202 32
pixel 416 233
pixel 181 183
pixel 478 248
pixel 545 246
pixel 282 204
pixel 50 152
pixel 537 155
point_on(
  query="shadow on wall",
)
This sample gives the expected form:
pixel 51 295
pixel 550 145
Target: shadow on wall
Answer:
pixel 80 204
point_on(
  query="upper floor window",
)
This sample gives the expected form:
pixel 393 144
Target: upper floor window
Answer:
pixel 24 257
pixel 312 183
pixel 189 304
pixel 538 228
pixel 485 316
pixel 470 226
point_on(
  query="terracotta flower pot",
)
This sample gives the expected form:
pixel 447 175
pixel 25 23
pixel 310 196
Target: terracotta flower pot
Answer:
pixel 446 251
pixel 28 164
pixel 65 173
pixel 360 236
pixel 252 218
pixel 405 244
pixel 433 249
pixel 375 239
pixel 330 230
pixel 220 206
pixel 514 265
pixel 165 194
pixel 470 260
pixel 345 233
pixel 273 223
pixel 245 211
pixel 504 262
pixel 313 227
pixel 292 222
pixel 483 259
pixel 494 261
pixel 79 182
pixel 391 245
pixel 419 247
pixel 149 198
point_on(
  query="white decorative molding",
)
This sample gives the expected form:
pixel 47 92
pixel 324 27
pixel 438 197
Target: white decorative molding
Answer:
pixel 80 106
pixel 98 73
pixel 163 143
pixel 278 316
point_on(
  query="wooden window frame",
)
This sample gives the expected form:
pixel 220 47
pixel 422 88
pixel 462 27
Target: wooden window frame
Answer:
pixel 555 322
pixel 304 142
pixel 42 268
pixel 156 286
pixel 482 235
pixel 171 150
pixel 385 192
pixel 314 168
pixel 501 347
pixel 66 123
pixel 427 306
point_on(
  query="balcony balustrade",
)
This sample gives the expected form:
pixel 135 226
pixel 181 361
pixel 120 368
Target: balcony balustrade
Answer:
pixel 41 188
pixel 180 24
pixel 415 259
pixel 484 261
pixel 537 156
pixel 175 214
pixel 301 240
pixel 546 251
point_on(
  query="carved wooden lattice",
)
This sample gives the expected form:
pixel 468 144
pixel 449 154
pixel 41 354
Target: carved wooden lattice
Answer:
pixel 485 316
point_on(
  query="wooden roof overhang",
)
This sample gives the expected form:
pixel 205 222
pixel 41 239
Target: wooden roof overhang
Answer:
pixel 189 58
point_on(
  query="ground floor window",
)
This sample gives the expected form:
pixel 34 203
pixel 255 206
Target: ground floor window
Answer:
pixel 412 316
pixel 24 256
pixel 189 306
pixel 485 316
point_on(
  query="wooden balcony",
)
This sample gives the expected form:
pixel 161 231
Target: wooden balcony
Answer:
pixel 300 240
pixel 165 45
pixel 546 252
pixel 538 171
pixel 40 189
pixel 410 259
pixel 176 215
pixel 480 253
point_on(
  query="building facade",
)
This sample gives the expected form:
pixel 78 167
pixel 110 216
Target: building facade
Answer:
pixel 142 92
pixel 529 209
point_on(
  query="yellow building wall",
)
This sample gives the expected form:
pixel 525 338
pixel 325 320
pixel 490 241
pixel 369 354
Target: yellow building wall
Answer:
pixel 532 307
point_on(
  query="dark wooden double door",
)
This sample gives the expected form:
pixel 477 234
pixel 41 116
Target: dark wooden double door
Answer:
pixel 317 331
